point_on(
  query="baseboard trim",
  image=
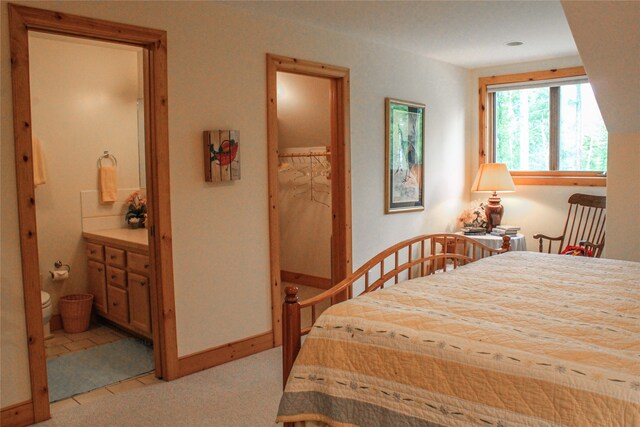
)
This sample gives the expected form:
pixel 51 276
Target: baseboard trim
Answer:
pixel 206 359
pixel 305 279
pixel 55 323
pixel 18 415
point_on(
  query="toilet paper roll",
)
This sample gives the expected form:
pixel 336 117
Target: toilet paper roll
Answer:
pixel 59 275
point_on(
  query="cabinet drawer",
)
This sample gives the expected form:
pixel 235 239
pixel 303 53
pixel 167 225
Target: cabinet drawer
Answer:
pixel 138 262
pixel 116 277
pixel 139 308
pixel 95 251
pixel 118 303
pixel 97 285
pixel 115 257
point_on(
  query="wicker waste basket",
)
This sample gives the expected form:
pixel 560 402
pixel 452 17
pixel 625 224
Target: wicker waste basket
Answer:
pixel 75 311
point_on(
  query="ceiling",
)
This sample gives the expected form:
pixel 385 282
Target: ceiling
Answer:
pixel 471 34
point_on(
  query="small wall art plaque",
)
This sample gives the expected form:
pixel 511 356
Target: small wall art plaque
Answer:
pixel 221 155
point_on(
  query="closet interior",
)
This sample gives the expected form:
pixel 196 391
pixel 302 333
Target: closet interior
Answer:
pixel 304 175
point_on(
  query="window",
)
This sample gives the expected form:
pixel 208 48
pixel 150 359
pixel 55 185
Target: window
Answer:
pixel 546 126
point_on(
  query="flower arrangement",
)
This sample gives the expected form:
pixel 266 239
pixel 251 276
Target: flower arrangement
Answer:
pixel 473 217
pixel 136 215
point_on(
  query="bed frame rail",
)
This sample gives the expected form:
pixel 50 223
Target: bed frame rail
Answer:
pixel 416 257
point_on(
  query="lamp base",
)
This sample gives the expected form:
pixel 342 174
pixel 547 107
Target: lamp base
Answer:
pixel 494 211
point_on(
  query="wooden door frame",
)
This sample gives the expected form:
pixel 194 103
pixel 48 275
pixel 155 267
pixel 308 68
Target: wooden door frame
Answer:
pixel 340 176
pixel 23 19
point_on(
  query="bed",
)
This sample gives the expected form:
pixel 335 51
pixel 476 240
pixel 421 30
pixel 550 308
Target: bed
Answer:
pixel 517 339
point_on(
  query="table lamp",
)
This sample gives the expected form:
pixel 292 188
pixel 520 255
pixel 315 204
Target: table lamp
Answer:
pixel 493 177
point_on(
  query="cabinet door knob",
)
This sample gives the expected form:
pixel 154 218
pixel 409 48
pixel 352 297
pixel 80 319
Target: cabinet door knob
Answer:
pixel 146 266
pixel 99 270
pixel 92 251
pixel 115 304
pixel 113 277
pixel 113 257
pixel 142 283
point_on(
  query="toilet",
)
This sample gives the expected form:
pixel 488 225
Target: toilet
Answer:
pixel 46 313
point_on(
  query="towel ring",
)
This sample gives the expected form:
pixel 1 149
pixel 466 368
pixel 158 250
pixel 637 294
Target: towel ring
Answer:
pixel 108 156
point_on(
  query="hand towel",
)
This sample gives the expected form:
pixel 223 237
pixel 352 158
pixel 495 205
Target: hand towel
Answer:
pixel 108 184
pixel 39 172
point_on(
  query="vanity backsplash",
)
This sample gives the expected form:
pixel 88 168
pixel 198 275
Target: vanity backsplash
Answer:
pixel 99 216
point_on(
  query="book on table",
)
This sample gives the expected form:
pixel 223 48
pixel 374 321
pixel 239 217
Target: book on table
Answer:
pixel 474 231
pixel 498 234
pixel 507 227
pixel 505 231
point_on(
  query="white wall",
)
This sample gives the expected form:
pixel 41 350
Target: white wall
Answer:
pixel 216 75
pixel 535 208
pixel 623 202
pixel 607 37
pixel 304 111
pixel 83 102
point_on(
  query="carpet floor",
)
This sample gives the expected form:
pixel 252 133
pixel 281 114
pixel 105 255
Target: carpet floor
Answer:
pixel 241 393
pixel 96 367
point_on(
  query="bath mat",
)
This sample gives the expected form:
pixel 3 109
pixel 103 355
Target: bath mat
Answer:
pixel 97 367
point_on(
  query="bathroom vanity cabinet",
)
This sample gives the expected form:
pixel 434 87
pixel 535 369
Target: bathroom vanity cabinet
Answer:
pixel 118 275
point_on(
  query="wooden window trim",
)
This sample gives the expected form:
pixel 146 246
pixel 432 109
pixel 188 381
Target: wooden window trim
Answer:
pixel 485 152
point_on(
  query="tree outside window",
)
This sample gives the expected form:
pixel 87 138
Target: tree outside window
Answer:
pixel 546 126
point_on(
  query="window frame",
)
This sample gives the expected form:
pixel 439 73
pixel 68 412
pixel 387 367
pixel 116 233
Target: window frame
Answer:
pixel 485 153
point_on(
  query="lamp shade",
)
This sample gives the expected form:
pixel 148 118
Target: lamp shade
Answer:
pixel 493 177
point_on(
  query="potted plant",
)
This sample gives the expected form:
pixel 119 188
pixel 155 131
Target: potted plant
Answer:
pixel 136 216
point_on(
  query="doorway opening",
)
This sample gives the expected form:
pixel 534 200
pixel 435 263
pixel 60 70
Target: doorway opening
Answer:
pixel 304 182
pixel 309 177
pixel 118 264
pixel 86 100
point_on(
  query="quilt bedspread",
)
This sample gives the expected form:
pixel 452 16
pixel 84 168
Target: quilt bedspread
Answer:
pixel 519 339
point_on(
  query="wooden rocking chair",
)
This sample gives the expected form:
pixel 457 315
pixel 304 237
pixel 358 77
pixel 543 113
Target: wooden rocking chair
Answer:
pixel 584 229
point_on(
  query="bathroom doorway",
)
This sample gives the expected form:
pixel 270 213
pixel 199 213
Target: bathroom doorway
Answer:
pixel 309 178
pixel 87 98
pixel 156 271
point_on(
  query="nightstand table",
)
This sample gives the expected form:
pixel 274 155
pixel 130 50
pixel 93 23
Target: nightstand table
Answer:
pixel 518 242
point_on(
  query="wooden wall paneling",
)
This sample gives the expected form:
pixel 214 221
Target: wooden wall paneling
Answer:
pixel 18 415
pixel 306 280
pixel 158 181
pixel 21 92
pixel 556 73
pixel 274 218
pixel 155 295
pixel 74 25
pixel 558 180
pixel 341 183
pixel 225 353
pixel 483 146
pixel 22 19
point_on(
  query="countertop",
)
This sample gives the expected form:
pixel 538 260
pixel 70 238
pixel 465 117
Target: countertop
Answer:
pixel 130 238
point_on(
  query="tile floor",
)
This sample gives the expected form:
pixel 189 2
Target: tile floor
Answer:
pixel 64 343
pixel 93 395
